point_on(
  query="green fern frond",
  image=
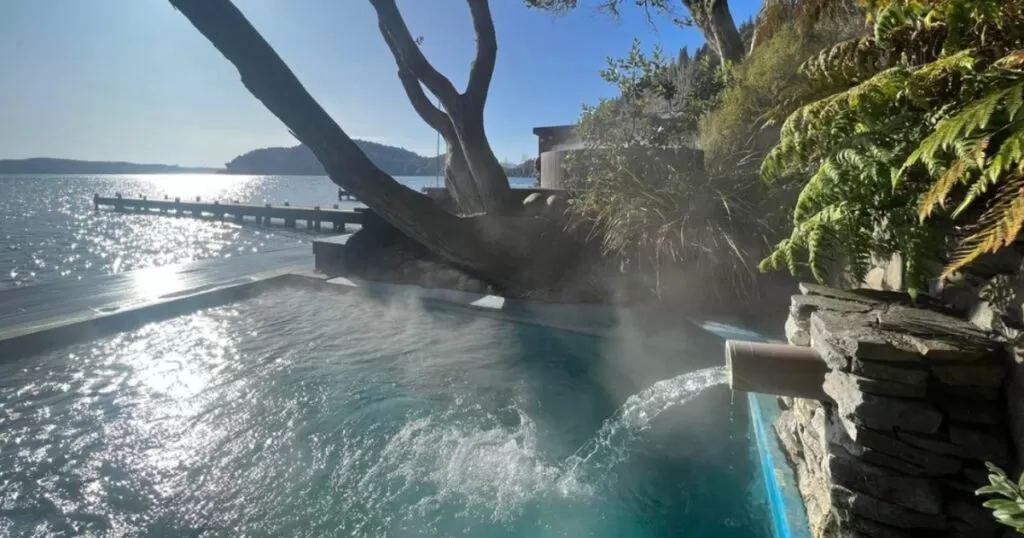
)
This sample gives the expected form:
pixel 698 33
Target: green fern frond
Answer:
pixel 936 196
pixel 928 114
pixel 996 228
pixel 820 245
pixel 888 19
pixel 949 131
pixel 1010 155
pixel 1013 62
pixel 978 151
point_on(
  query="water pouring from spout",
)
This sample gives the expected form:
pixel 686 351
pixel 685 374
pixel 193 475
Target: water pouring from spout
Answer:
pixel 610 444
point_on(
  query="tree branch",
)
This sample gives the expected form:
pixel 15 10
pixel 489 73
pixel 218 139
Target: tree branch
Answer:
pixel 270 80
pixel 457 176
pixel 458 179
pixel 465 114
pixel 486 52
pixel 407 52
pixel 435 117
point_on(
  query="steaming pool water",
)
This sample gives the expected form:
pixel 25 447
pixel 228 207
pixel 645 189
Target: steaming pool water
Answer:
pixel 304 413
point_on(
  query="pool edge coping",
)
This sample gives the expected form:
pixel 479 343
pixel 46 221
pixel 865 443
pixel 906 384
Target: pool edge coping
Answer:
pixel 29 338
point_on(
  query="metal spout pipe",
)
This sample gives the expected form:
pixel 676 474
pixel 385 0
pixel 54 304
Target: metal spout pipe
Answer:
pixel 779 369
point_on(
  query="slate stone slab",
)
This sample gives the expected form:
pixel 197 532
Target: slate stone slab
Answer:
pixel 857 335
pixel 981 445
pixel 879 459
pixel 972 513
pixel 991 374
pixel 933 443
pixel 959 485
pixel 830 349
pixel 798 333
pixel 880 412
pixel 929 462
pixel 959 391
pixel 802 306
pixel 895 464
pixel 964 530
pixel 906 374
pixel 860 504
pixel 930 322
pixel 937 336
pixel 976 475
pixel 918 494
pixel 862 296
pixel 969 410
pixel 882 387
pixel 872 529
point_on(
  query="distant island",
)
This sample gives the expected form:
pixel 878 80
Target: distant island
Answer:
pixel 293 161
pixel 44 165
pixel 299 160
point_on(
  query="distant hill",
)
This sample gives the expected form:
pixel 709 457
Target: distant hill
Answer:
pixel 70 166
pixel 293 161
pixel 527 168
pixel 299 160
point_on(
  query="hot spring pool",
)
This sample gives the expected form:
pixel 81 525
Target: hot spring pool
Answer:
pixel 302 413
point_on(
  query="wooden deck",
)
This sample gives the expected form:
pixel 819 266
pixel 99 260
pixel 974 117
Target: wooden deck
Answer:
pixel 261 214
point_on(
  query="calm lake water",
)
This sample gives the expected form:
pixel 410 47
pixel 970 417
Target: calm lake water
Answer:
pixel 48 229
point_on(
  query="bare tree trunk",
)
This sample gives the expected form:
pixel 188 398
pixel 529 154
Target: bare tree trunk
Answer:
pixel 519 256
pixel 458 177
pixel 267 77
pixel 458 180
pixel 487 172
pixel 716 23
pixel 461 123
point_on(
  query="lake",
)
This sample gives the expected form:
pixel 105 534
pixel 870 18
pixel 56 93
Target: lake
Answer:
pixel 49 230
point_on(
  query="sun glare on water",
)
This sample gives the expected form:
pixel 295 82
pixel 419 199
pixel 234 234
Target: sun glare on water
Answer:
pixel 207 186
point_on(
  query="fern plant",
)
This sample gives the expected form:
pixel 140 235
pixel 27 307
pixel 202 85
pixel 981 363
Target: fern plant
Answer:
pixel 920 133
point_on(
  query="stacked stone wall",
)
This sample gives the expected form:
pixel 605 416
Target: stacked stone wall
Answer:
pixel 917 406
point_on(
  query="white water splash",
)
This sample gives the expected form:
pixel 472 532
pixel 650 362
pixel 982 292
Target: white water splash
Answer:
pixel 495 469
pixel 609 446
pixel 490 468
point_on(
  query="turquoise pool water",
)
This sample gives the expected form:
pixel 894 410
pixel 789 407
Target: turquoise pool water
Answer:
pixel 299 413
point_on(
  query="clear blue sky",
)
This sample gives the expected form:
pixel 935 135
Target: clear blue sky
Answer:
pixel 132 80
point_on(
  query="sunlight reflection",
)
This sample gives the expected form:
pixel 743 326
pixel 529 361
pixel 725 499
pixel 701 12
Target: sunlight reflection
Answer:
pixel 157 281
pixel 208 186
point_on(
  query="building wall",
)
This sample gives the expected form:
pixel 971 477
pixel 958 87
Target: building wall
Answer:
pixel 552 176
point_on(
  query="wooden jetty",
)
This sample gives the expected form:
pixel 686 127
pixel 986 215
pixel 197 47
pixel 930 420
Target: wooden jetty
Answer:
pixel 262 214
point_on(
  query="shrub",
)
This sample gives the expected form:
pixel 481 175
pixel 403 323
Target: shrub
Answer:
pixel 645 187
pixel 767 85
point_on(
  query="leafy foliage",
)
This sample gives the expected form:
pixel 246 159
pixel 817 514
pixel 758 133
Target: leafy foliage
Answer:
pixel 924 115
pixel 757 90
pixel 661 203
pixel 644 185
pixel 1010 509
